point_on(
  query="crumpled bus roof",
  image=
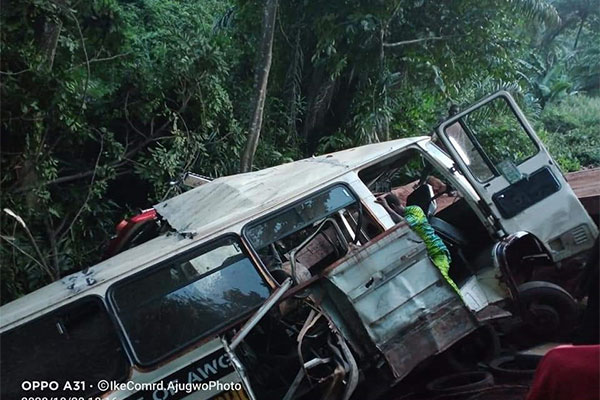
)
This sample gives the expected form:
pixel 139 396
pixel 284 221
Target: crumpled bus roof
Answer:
pixel 230 199
pixel 202 211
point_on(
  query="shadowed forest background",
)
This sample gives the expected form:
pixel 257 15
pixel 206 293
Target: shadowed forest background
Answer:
pixel 106 103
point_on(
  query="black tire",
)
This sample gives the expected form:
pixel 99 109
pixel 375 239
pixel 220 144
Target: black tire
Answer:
pixel 509 368
pixel 549 310
pixel 461 382
pixel 501 393
pixel 482 345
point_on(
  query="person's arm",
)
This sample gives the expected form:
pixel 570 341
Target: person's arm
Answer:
pixel 393 214
pixel 394 203
pixel 398 209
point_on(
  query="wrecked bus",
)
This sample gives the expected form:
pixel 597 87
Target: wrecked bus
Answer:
pixel 293 283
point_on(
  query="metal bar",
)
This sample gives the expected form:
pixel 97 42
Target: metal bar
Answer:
pixel 300 375
pixel 352 380
pixel 194 180
pixel 296 249
pixel 239 367
pixel 262 311
pixel 484 156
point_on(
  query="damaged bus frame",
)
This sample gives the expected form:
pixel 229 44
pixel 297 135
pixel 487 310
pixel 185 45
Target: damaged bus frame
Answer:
pixel 294 283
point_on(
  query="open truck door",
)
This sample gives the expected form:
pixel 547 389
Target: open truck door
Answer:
pixel 518 182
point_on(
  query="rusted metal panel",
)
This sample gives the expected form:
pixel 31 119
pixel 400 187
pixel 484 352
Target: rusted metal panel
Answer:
pixel 431 334
pixel 401 300
pixel 586 185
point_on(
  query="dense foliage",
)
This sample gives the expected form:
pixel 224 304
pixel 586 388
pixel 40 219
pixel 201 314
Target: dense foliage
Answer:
pixel 106 103
pixel 571 130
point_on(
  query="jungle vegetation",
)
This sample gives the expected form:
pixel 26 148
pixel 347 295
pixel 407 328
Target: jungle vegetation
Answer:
pixel 105 103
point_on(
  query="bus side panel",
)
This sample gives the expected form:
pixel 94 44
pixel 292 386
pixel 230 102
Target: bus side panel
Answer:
pixel 400 299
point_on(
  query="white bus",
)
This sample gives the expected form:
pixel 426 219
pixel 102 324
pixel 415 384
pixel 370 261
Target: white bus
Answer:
pixel 293 282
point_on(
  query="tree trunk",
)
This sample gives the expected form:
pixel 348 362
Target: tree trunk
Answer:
pixel 49 29
pixel 583 17
pixel 49 41
pixel 261 79
pixel 382 73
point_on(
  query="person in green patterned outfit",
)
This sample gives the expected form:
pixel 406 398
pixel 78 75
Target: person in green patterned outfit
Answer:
pixel 416 219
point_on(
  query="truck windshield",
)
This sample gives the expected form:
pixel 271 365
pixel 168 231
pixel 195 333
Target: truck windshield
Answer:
pixel 187 299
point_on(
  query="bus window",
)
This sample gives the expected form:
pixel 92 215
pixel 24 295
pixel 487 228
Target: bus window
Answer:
pixel 182 301
pixel 313 232
pixel 75 343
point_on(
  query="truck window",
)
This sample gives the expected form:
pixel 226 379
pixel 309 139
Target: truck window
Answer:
pixel 403 175
pixel 77 342
pixel 491 141
pixel 183 301
pixel 469 154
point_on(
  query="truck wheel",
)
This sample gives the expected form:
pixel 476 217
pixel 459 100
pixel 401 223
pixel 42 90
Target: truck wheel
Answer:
pixel 549 310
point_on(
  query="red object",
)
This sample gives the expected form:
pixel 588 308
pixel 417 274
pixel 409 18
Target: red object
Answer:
pixel 568 373
pixel 126 230
pixel 145 215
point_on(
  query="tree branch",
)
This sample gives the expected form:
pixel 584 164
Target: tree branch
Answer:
pixel 136 130
pixel 87 62
pixel 53 245
pixel 95 60
pixel 32 258
pixel 412 41
pixel 42 260
pixel 87 198
pixel 122 160
pixel 15 73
